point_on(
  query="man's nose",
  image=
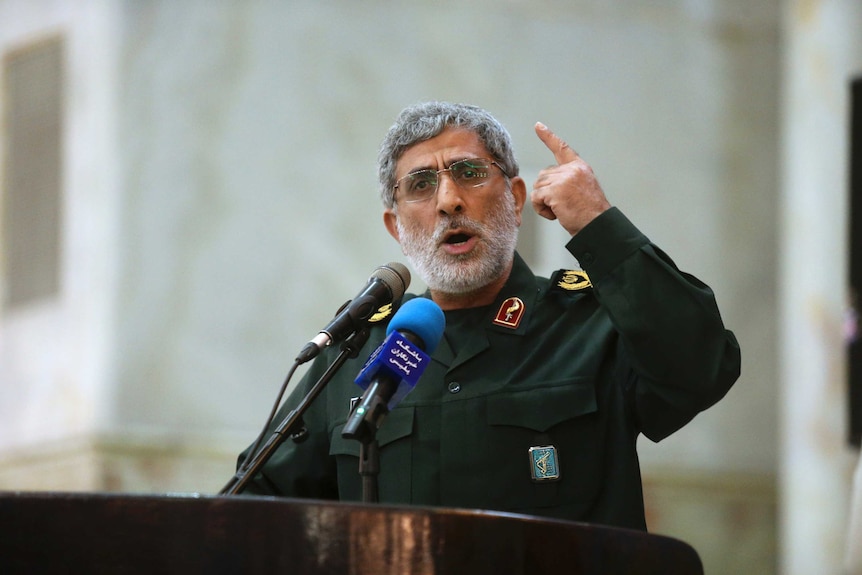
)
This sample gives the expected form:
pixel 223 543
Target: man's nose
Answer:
pixel 449 194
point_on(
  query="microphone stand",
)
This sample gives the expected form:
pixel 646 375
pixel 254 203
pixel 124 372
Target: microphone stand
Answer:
pixel 292 425
pixel 365 432
pixel 369 468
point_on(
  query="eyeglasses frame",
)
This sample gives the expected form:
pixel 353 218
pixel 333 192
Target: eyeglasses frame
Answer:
pixel 438 172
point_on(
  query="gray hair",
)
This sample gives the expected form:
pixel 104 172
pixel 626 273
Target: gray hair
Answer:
pixel 423 121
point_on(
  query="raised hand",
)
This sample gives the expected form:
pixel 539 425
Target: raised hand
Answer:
pixel 568 191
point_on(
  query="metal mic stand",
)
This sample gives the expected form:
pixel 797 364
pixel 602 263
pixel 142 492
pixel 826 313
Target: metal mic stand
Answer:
pixel 361 425
pixel 292 424
pixel 369 468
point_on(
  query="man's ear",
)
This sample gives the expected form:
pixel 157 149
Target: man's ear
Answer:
pixel 519 191
pixel 390 220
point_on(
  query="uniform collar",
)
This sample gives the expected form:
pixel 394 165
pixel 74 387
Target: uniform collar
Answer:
pixel 522 285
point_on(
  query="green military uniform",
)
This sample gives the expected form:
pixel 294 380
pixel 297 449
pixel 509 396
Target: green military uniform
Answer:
pixel 534 404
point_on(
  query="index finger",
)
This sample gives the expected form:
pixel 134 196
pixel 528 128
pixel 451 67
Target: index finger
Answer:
pixel 563 153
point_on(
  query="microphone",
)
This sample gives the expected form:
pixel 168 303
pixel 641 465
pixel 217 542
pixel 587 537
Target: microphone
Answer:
pixel 387 284
pixel 392 371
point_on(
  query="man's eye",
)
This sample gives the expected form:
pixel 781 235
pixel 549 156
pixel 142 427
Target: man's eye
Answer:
pixel 471 170
pixel 420 184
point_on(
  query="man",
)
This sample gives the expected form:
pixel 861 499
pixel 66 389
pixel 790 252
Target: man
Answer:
pixel 534 399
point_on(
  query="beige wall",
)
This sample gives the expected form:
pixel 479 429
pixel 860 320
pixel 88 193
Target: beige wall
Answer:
pixel 822 51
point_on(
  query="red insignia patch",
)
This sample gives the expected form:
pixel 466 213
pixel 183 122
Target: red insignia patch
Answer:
pixel 510 313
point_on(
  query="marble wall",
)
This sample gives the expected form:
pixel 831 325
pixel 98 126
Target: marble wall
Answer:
pixel 823 51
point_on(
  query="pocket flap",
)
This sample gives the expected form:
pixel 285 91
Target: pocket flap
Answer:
pixel 543 407
pixel 396 425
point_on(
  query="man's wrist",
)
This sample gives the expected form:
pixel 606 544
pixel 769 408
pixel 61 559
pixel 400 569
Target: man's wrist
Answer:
pixel 605 242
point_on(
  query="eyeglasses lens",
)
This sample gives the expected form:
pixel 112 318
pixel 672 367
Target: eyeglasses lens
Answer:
pixel 421 185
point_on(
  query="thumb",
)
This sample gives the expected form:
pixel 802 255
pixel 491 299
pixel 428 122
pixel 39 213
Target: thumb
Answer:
pixel 563 153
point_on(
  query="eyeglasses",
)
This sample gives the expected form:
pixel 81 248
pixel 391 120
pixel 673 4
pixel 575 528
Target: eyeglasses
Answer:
pixel 421 185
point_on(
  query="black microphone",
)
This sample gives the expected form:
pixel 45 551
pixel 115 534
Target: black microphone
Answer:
pixel 386 285
pixel 392 371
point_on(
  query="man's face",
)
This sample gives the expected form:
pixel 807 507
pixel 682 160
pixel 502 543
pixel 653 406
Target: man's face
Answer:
pixel 461 239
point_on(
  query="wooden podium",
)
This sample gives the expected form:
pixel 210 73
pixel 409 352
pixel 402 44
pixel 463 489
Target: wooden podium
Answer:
pixel 129 534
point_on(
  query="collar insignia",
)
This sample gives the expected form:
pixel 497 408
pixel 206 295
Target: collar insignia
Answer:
pixel 510 313
pixel 571 280
pixel 381 314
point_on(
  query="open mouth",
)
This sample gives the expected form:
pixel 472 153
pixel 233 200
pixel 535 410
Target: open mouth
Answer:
pixel 457 238
pixel 459 242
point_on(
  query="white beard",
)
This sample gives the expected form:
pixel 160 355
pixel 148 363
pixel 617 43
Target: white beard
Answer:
pixel 462 274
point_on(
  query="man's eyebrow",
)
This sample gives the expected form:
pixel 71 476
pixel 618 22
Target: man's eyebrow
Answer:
pixel 421 169
pixel 455 159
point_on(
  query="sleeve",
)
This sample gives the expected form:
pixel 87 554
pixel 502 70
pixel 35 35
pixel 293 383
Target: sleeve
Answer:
pixel 682 358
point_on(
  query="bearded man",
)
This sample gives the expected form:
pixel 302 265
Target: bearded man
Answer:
pixel 535 397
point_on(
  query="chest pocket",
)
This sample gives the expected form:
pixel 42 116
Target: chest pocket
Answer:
pixel 563 414
pixel 393 439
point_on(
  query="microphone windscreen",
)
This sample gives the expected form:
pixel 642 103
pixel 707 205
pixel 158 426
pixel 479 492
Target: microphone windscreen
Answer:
pixel 422 317
pixel 396 276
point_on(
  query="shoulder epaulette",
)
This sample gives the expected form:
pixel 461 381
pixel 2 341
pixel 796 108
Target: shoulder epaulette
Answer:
pixel 381 314
pixel 570 280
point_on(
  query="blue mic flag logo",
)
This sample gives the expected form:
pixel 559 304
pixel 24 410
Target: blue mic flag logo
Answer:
pixel 398 358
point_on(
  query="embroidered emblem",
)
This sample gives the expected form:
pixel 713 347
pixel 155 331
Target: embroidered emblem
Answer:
pixel 381 314
pixel 544 465
pixel 510 313
pixel 571 280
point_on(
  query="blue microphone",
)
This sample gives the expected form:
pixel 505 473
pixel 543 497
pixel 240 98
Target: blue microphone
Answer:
pixel 392 371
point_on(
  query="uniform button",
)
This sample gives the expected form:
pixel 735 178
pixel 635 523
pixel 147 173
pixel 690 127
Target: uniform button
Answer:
pixel 454 387
pixel 588 257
